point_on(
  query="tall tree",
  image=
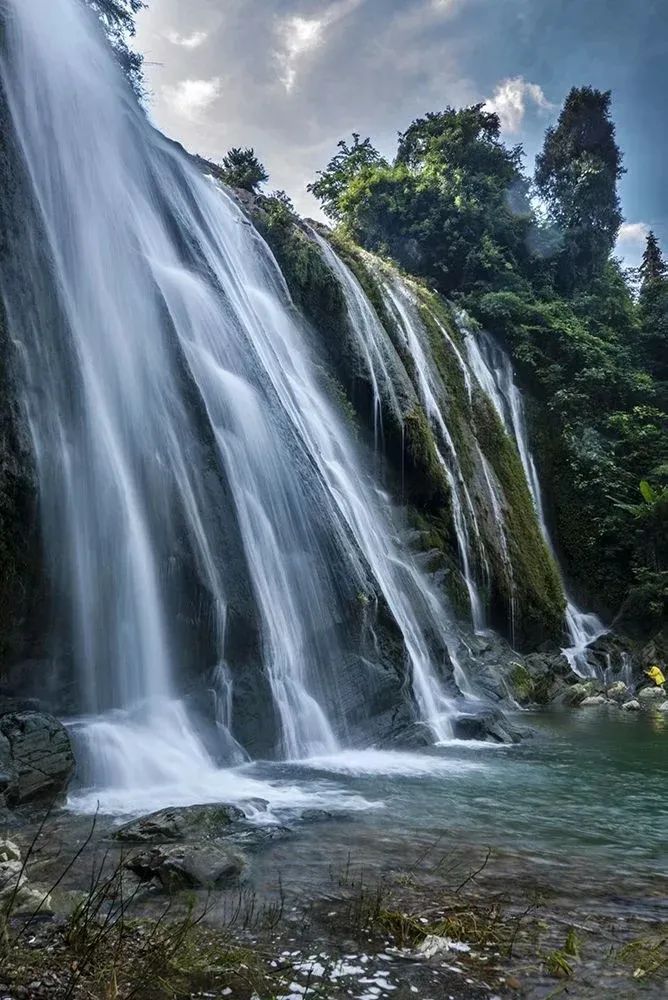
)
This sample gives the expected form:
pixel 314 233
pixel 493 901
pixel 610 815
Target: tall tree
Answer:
pixel 653 267
pixel 577 174
pixel 242 169
pixel 653 310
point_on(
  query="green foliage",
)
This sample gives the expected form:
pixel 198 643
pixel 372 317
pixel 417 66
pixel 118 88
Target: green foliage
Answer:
pixel 653 309
pixel 453 207
pixel 342 169
pixel 242 169
pixel 577 174
pixel 653 266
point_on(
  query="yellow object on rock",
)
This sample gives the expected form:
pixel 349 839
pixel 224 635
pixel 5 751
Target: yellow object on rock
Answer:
pixel 655 674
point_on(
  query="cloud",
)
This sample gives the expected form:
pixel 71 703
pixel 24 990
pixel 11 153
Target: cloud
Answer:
pixel 511 98
pixel 631 242
pixel 633 233
pixel 192 41
pixel 300 35
pixel 189 97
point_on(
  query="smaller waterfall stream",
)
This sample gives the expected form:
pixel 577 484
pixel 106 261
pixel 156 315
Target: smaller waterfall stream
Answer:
pixel 401 305
pixel 493 369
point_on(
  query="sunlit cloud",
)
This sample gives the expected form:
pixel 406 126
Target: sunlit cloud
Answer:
pixel 190 97
pixel 510 101
pixel 192 41
pixel 631 242
pixel 299 36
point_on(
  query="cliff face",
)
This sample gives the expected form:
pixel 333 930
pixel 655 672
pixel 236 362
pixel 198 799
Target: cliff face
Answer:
pixel 21 572
pixel 518 579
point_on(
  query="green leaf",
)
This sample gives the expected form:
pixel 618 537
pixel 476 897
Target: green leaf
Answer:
pixel 649 496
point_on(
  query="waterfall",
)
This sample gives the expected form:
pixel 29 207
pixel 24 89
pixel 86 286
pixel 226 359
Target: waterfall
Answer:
pixel 369 333
pixel 169 391
pixel 401 305
pixel 493 369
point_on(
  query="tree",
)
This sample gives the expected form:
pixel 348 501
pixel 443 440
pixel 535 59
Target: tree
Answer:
pixel 453 207
pixel 342 169
pixel 576 175
pixel 653 267
pixel 118 14
pixel 467 138
pixel 242 169
pixel 653 310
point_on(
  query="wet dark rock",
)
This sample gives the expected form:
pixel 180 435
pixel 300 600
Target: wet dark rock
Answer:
pixel 575 694
pixel 36 758
pixel 651 696
pixel 180 823
pixel 318 816
pixel 490 725
pixel 618 691
pixel 9 705
pixel 185 866
pixel 254 838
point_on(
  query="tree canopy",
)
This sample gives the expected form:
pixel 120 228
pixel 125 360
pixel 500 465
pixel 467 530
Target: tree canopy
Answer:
pixel 242 169
pixel 576 174
pixel 345 166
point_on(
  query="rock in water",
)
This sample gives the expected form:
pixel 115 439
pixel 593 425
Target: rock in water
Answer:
pixel 489 725
pixel 36 758
pixel 180 823
pixel 593 700
pixel 618 691
pixel 651 696
pixel 575 694
pixel 197 866
pixel 631 706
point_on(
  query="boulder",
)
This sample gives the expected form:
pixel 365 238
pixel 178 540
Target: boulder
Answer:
pixel 9 851
pixel 651 696
pixel 575 694
pixel 490 725
pixel 179 823
pixel 663 707
pixel 631 706
pixel 185 866
pixel 617 691
pixel 593 700
pixel 36 758
pixel 17 894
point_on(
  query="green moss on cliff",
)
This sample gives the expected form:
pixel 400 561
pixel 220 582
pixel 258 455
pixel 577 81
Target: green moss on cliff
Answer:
pixel 538 585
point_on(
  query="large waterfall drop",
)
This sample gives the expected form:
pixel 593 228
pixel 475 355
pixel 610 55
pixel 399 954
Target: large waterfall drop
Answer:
pixel 183 440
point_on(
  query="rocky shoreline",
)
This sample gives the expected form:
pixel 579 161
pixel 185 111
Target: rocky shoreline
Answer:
pixel 165 906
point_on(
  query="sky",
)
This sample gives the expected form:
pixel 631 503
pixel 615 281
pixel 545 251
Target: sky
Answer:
pixel 291 77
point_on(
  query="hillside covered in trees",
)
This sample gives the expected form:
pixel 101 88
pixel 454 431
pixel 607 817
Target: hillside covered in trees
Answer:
pixel 533 261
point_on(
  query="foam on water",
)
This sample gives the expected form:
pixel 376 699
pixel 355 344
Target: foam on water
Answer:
pixel 393 763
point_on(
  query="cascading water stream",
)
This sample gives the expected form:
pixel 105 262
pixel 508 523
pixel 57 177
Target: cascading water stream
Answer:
pixel 493 370
pixel 370 334
pixel 402 307
pixel 174 325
